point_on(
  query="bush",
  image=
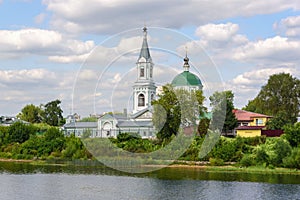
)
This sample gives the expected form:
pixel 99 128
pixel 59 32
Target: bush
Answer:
pixel 20 132
pixel 292 134
pixel 216 162
pixel 277 149
pixel 260 154
pixel 247 160
pixel 293 161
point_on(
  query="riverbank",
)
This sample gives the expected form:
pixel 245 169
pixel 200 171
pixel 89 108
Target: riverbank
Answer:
pixel 201 166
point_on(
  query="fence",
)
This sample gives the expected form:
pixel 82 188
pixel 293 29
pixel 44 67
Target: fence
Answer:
pixel 272 133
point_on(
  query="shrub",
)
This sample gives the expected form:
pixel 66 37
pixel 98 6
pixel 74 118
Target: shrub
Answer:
pixel 260 154
pixel 293 161
pixel 277 149
pixel 292 134
pixel 247 160
pixel 216 162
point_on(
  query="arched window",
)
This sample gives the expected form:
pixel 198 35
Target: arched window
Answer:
pixel 142 72
pixel 141 100
pixel 152 97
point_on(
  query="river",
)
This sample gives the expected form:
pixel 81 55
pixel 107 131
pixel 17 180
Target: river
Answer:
pixel 29 182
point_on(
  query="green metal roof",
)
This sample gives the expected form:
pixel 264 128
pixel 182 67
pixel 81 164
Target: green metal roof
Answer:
pixel 186 78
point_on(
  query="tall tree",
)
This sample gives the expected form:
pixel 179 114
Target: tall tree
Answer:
pixel 279 98
pixel 53 113
pixel 222 115
pixel 166 116
pixel 176 107
pixel 31 113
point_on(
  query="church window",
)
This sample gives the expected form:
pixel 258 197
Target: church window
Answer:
pixel 151 72
pixel 141 100
pixel 152 97
pixel 142 72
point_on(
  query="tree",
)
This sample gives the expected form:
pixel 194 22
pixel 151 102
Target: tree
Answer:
pixel 203 126
pixel 175 108
pixel 20 132
pixel 31 113
pixel 222 115
pixel 166 117
pixel 279 97
pixel 292 134
pixel 53 113
pixel 277 122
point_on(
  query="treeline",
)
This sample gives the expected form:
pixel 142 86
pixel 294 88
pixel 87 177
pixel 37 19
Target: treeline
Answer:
pixel 44 142
pixel 50 113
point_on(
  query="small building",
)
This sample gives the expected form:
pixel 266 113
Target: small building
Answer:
pixel 8 121
pixel 250 124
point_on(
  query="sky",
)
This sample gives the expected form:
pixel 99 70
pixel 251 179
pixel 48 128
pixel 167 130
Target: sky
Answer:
pixel 84 52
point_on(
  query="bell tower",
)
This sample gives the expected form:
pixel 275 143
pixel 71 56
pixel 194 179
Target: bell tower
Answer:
pixel 144 89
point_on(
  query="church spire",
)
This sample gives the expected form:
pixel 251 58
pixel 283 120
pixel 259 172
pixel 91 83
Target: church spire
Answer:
pixel 145 53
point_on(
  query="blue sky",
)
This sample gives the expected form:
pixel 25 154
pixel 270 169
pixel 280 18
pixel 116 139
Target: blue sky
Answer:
pixel 48 47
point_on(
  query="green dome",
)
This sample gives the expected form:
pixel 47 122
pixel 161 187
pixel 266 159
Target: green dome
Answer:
pixel 186 78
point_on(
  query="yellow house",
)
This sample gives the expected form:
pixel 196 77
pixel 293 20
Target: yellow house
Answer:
pixel 250 124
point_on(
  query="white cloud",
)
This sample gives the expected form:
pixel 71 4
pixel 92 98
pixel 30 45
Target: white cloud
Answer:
pixel 276 49
pixel 25 76
pixel 40 18
pixel 103 16
pixel 42 42
pixel 247 85
pixel 25 86
pixel 217 32
pixel 290 26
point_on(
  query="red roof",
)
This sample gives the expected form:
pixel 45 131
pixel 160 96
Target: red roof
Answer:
pixel 250 127
pixel 243 115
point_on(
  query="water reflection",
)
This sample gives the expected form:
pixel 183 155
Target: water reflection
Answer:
pixel 25 181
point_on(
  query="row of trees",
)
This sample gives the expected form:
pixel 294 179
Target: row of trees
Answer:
pixel 279 98
pixel 177 107
pixel 50 113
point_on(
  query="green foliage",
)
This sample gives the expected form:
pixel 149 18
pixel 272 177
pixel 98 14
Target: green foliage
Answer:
pixel 216 162
pixel 226 149
pixel 166 117
pixel 247 160
pixel 31 113
pixel 222 115
pixel 203 126
pixel 293 161
pixel 123 137
pixel 260 155
pixel 75 149
pixel 175 108
pixel 277 122
pixel 292 134
pixel 89 119
pixel 20 132
pixel 52 113
pixel 278 98
pixel 3 135
pixel 42 128
pixel 133 142
pixel 276 149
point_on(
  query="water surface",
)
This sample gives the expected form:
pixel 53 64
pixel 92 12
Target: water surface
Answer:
pixel 27 182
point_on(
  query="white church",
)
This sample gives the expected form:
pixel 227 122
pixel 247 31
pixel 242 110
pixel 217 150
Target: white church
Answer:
pixel 144 91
